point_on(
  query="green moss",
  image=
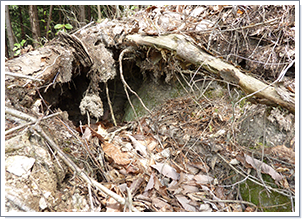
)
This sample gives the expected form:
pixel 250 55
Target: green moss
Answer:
pixel 209 94
pixel 243 103
pixel 267 202
pixel 214 93
pixel 67 150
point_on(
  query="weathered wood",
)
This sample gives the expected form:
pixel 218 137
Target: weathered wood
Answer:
pixel 42 64
pixel 58 62
pixel 187 50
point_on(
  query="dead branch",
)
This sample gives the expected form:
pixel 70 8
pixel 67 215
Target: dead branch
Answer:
pixel 126 85
pixel 187 50
pixel 27 124
pixel 110 105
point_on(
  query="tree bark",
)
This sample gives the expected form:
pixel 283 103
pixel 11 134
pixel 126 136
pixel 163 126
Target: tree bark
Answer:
pixel 33 16
pixel 10 34
pixel 89 13
pixel 82 13
pixel 6 47
pixel 99 13
pixel 21 22
pixel 49 20
pixel 118 12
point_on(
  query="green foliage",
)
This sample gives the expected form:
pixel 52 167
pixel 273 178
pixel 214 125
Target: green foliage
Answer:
pixel 18 47
pixel 63 18
pixel 62 27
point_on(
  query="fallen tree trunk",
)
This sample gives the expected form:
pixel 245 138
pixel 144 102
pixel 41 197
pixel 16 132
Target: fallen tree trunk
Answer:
pixel 70 55
pixel 188 51
pixel 59 62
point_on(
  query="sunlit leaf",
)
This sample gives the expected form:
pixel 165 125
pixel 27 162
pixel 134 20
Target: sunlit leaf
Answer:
pixel 59 26
pixel 68 26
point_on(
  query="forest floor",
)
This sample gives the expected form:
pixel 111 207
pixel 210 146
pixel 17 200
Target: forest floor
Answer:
pixel 218 151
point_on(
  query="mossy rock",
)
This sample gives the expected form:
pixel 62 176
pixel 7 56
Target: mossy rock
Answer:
pixel 152 94
pixel 267 202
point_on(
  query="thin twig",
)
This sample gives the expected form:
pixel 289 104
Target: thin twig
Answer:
pixel 19 114
pixel 53 153
pixel 30 123
pixel 232 185
pixel 83 27
pixel 127 50
pixel 22 76
pixel 90 197
pixel 110 105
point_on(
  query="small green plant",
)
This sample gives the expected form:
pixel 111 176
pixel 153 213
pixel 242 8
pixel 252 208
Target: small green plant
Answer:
pixel 243 103
pixel 18 47
pixel 67 150
pixel 63 27
pixel 133 7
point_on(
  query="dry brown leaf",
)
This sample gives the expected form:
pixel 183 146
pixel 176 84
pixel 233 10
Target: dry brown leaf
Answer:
pixel 285 184
pixel 185 203
pixel 205 188
pixel 189 189
pixel 113 206
pixel 263 166
pixel 203 179
pixel 138 146
pixel 236 207
pixel 87 134
pixel 173 183
pixel 284 152
pixel 205 208
pixel 180 8
pixel 123 187
pixel 135 185
pixel 249 209
pixel 103 132
pixel 114 153
pixel 132 169
pixel 220 193
pixel 197 11
pixel 160 205
pixel 144 198
pixel 150 183
pixel 200 165
pixel 157 183
pixel 166 170
pixel 282 169
pixel 151 146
